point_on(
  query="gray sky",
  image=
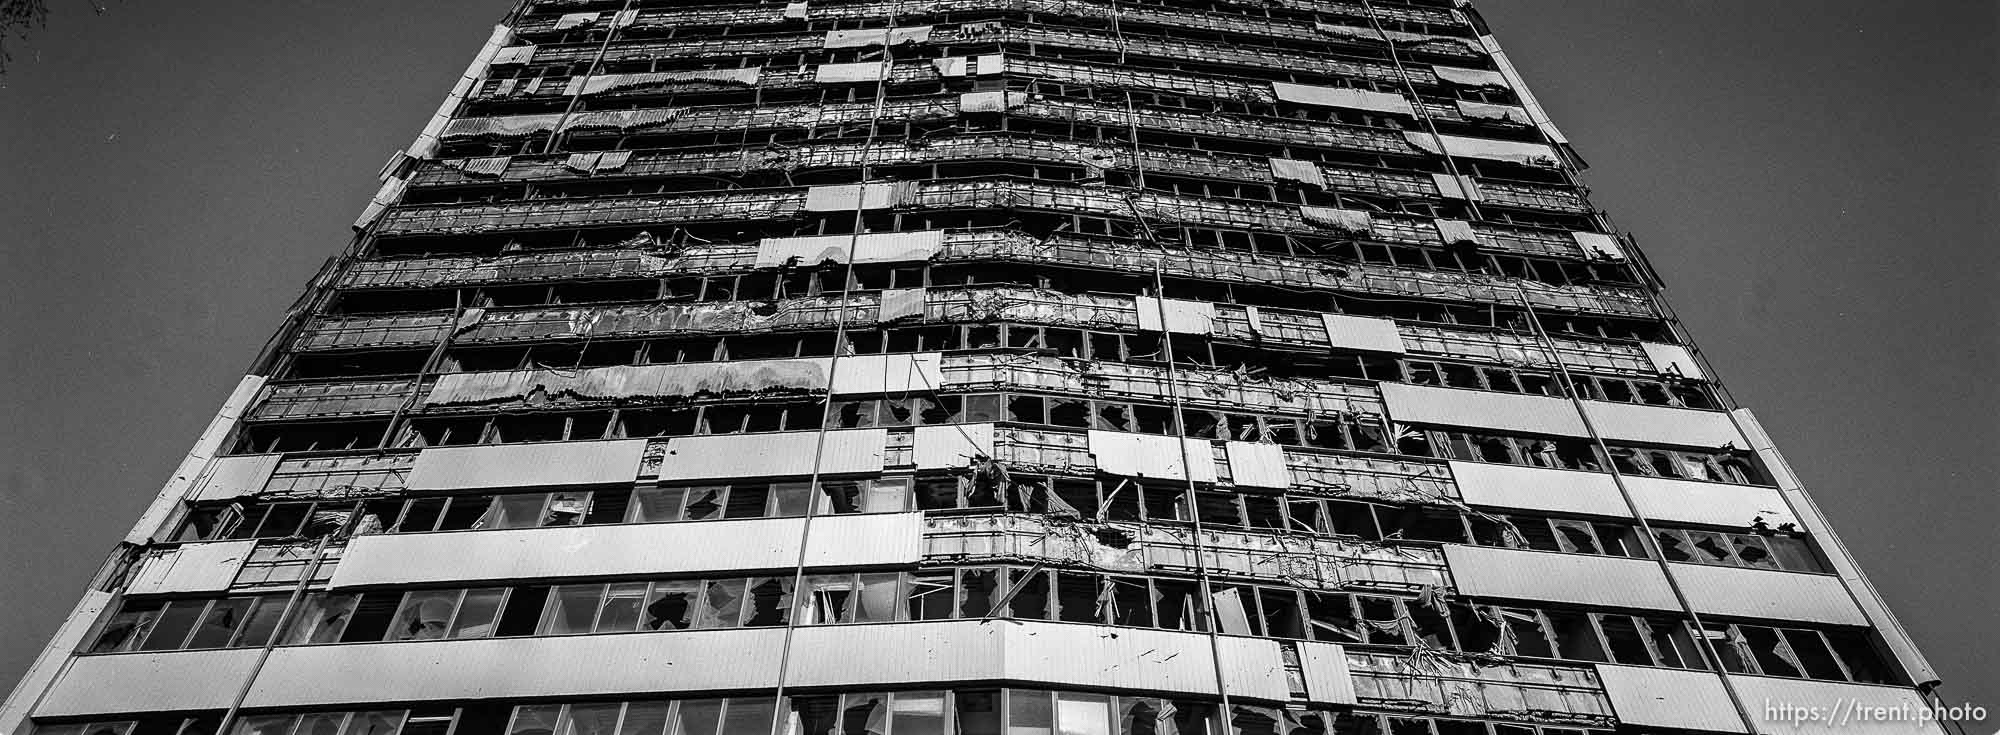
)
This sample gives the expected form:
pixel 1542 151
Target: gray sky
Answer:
pixel 1816 181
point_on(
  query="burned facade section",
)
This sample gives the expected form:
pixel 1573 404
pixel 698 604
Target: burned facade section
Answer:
pixel 978 366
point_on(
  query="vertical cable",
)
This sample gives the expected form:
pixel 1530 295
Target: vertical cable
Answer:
pixel 1649 541
pixel 596 63
pixel 1417 104
pixel 813 491
pixel 1194 510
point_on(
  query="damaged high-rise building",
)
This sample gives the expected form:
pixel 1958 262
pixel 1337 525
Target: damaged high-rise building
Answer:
pixel 969 367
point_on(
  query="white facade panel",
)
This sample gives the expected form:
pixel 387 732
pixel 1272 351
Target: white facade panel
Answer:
pixel 1481 409
pixel 148 682
pixel 565 666
pixel 1767 594
pixel 1150 455
pixel 1365 333
pixel 1848 709
pixel 1685 427
pixel 235 477
pixel 527 465
pixel 198 567
pixel 1256 464
pixel 949 447
pixel 1345 97
pixel 1181 316
pixel 1033 652
pixel 867 247
pixel 1535 488
pixel 1327 679
pixel 888 374
pixel 1708 503
pixel 1672 359
pixel 1673 698
pixel 625 550
pixel 780 454
pixel 1579 579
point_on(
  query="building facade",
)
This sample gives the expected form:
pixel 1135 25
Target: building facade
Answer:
pixel 1096 367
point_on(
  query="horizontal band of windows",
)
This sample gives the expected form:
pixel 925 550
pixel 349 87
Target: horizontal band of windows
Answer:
pixel 970 592
pixel 965 711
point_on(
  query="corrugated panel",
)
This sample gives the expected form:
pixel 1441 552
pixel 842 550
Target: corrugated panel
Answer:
pixel 1470 77
pixel 895 375
pixel 205 448
pixel 848 197
pixel 1534 488
pixel 1345 97
pixel 1480 409
pixel 1673 360
pixel 148 682
pixel 1184 317
pixel 1663 425
pixel 1518 574
pixel 1034 652
pixel 567 666
pixel 42 672
pixel 1327 678
pixel 859 71
pixel 871 247
pixel 865 37
pixel 1673 698
pixel 1707 503
pixel 646 548
pixel 1768 594
pixel 781 454
pixel 866 539
pixel 527 465
pixel 950 447
pixel 230 477
pixel 1148 455
pixel 1758 691
pixel 1255 464
pixel 203 567
pixel 1363 333
pixel 1529 154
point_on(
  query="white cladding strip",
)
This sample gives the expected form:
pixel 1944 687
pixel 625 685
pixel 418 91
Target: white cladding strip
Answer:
pixel 1363 333
pixel 897 374
pixel 151 682
pixel 1767 594
pixel 1037 653
pixel 198 567
pixel 1671 698
pixel 1546 415
pixel 1858 586
pixel 527 465
pixel 233 477
pixel 1255 464
pixel 1149 455
pixel 1518 574
pixel 1328 680
pixel 868 247
pixel 1023 652
pixel 875 539
pixel 954 446
pixel 779 454
pixel 1596 494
